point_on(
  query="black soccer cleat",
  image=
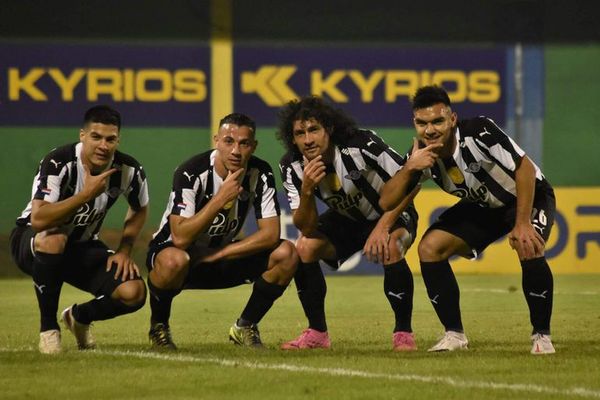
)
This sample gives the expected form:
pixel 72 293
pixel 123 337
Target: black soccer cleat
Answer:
pixel 160 337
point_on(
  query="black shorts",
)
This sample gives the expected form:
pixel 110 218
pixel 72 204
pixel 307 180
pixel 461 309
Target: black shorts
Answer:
pixel 479 226
pixel 349 236
pixel 84 262
pixel 220 274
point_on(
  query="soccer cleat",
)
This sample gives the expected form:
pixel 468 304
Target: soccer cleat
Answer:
pixel 451 341
pixel 245 335
pixel 404 341
pixel 83 335
pixel 160 337
pixel 309 339
pixel 542 344
pixel 50 342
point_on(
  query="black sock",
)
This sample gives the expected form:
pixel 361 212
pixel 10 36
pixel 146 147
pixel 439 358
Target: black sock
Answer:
pixel 47 283
pixel 538 287
pixel 398 287
pixel 312 289
pixel 443 292
pixel 160 303
pixel 260 301
pixel 102 308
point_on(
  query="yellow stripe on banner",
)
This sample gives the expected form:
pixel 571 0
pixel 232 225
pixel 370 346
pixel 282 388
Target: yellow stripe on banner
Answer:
pixel 221 64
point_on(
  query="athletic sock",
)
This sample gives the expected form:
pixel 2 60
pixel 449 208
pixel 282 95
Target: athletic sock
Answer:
pixel 160 303
pixel 398 286
pixel 263 295
pixel 47 283
pixel 312 289
pixel 443 292
pixel 538 287
pixel 102 308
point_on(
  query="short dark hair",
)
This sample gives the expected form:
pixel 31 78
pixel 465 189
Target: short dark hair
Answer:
pixel 239 119
pixel 427 96
pixel 104 115
pixel 339 125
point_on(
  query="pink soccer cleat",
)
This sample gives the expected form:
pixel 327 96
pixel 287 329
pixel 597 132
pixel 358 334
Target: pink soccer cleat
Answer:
pixel 404 341
pixel 309 339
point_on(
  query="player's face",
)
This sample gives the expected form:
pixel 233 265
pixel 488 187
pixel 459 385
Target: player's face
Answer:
pixel 436 124
pixel 99 142
pixel 311 138
pixel 235 144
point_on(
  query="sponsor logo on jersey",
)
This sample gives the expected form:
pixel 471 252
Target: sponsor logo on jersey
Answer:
pixel 86 215
pixel 343 202
pixel 222 226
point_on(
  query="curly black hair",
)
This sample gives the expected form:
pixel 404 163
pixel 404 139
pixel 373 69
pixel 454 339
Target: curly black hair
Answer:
pixel 337 123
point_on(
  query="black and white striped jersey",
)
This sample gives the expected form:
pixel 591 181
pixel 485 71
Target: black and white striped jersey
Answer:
pixel 196 181
pixel 353 181
pixel 482 168
pixel 60 176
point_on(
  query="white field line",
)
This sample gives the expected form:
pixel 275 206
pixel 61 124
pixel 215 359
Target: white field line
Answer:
pixel 518 289
pixel 343 372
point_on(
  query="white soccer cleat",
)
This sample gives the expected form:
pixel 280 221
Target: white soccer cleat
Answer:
pixel 542 344
pixel 82 333
pixel 50 342
pixel 451 341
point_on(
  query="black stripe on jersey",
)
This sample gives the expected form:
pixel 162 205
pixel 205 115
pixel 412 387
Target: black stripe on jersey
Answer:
pixel 482 176
pixel 244 205
pixel 115 182
pixel 361 183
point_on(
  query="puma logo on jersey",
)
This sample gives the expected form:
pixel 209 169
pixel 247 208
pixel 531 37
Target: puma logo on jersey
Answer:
pixel 56 163
pixel 485 132
pixel 370 142
pixel 189 176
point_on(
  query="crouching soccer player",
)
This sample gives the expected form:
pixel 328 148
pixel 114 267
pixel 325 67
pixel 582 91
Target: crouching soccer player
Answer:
pixel 194 247
pixel 502 192
pixel 56 238
pixel 331 159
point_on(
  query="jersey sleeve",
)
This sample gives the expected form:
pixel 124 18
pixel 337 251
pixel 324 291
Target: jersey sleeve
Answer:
pixel 291 184
pixel 50 179
pixel 138 193
pixel 498 145
pixel 185 187
pixel 265 202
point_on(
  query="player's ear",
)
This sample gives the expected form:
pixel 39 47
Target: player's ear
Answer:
pixel 81 134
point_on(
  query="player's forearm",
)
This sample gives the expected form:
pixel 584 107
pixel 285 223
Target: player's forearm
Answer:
pixel 185 230
pixel 306 217
pixel 394 191
pixel 134 222
pixel 262 239
pixel 525 185
pixel 46 215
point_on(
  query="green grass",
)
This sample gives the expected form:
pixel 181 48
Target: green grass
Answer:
pixel 360 365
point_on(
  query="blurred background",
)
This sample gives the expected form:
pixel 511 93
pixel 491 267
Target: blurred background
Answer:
pixel 173 69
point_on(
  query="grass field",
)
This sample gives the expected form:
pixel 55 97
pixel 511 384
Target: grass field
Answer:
pixel 360 364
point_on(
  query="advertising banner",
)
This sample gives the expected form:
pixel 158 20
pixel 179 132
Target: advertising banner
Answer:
pixel 373 84
pixel 51 84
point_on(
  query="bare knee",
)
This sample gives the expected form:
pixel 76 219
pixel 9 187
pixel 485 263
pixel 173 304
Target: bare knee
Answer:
pixel 285 258
pixel 51 243
pixel 430 251
pixel 171 262
pixel 308 249
pixel 131 293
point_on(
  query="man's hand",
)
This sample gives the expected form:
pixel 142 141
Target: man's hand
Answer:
pixel 231 187
pixel 94 185
pixel 526 241
pixel 314 172
pixel 377 246
pixel 125 266
pixel 424 158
